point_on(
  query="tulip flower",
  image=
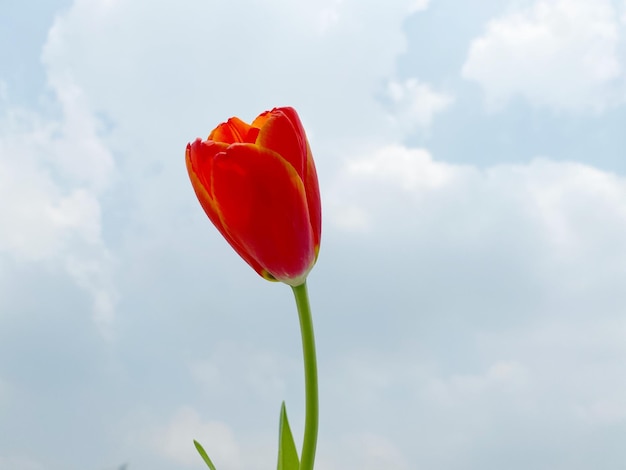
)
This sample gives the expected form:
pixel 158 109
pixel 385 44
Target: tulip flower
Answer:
pixel 257 183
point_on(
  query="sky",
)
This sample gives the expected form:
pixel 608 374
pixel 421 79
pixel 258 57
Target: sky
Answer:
pixel 468 301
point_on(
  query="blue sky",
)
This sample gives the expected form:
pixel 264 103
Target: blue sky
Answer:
pixel 468 299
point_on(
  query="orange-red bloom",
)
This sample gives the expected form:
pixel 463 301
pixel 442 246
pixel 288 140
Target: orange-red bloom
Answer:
pixel 258 185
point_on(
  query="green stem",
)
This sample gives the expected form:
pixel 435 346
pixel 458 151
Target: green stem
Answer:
pixel 310 378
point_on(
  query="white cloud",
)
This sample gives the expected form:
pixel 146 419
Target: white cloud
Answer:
pixel 175 441
pixel 163 444
pixel 459 390
pixel 414 104
pixel 519 387
pixel 419 5
pixel 609 411
pixel 236 367
pixel 558 53
pixel 324 47
pixel 4 391
pixel 365 451
pixel 19 463
pixel 412 171
pixel 568 205
pixel 52 174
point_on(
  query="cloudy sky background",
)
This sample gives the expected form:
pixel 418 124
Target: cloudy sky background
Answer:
pixel 469 298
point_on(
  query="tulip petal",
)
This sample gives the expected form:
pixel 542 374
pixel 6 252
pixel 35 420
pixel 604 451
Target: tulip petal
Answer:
pixel 282 132
pixel 262 118
pixel 314 202
pixel 199 158
pixel 229 132
pixel 263 208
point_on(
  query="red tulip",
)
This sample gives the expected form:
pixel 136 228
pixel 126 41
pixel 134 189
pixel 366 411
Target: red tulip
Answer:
pixel 258 185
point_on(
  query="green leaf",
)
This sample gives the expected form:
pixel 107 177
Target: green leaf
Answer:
pixel 287 453
pixel 203 454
